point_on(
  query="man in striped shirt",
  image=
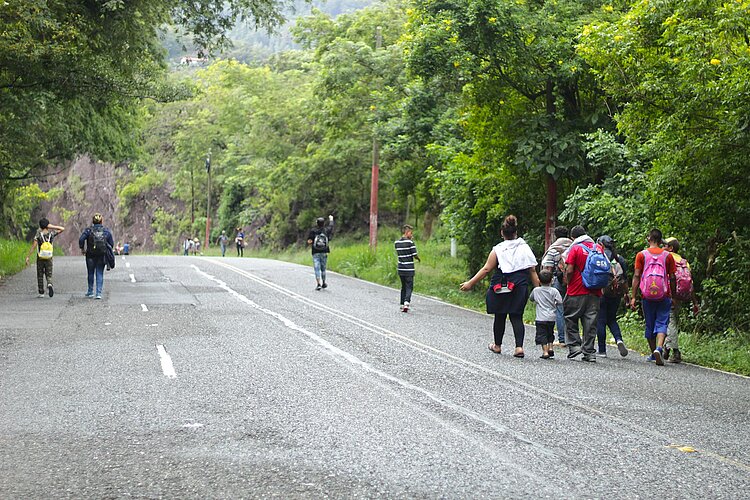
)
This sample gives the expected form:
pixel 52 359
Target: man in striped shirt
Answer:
pixel 406 252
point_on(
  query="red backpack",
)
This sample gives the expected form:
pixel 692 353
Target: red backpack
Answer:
pixel 654 284
pixel 684 289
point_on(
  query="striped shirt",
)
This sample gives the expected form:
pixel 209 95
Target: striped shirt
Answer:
pixel 406 251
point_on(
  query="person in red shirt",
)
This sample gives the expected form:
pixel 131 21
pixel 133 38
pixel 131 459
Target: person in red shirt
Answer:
pixel 580 303
pixel 655 310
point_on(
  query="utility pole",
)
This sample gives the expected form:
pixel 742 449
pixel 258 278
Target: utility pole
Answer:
pixel 208 204
pixel 375 167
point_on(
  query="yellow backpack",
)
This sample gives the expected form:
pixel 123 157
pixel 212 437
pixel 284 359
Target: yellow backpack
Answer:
pixel 45 249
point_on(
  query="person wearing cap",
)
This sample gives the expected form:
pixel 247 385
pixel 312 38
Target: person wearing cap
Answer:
pixel 671 345
pixel 318 239
pixel 222 241
pixel 96 257
pixel 613 295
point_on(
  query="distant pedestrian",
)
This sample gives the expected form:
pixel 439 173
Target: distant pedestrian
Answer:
pixel 43 244
pixel 617 290
pixel 187 245
pixel 684 292
pixel 126 248
pixel 514 265
pixel 547 301
pixel 553 261
pixel 222 241
pixel 580 303
pixel 197 246
pixel 654 280
pixel 96 238
pixel 406 252
pixel 318 238
pixel 239 240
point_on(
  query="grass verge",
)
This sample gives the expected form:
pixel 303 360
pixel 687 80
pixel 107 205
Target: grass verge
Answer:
pixel 12 254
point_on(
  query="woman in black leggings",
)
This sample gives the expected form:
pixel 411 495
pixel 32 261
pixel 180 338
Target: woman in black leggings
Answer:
pixel 514 265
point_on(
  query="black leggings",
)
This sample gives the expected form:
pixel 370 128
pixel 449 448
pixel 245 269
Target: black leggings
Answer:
pixel 498 328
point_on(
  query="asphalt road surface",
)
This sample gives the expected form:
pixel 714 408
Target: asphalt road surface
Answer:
pixel 233 378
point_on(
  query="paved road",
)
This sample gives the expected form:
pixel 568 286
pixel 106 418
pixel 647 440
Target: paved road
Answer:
pixel 217 378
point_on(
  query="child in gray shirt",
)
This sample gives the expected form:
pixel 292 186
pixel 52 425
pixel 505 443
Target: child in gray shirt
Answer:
pixel 547 299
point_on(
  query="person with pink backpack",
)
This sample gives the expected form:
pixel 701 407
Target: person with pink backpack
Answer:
pixel 684 293
pixel 654 279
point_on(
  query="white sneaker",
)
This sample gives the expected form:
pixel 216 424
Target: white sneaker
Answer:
pixel 406 307
pixel 621 347
pixel 40 296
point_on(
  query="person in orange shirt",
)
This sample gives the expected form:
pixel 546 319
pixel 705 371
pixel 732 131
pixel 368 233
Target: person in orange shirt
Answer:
pixel 654 280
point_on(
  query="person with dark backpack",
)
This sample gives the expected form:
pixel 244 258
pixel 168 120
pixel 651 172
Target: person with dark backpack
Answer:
pixel 318 239
pixel 613 295
pixel 553 261
pixel 98 242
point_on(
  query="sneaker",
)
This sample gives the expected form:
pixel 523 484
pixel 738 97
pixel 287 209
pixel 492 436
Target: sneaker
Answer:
pixel 589 358
pixel 50 290
pixel 574 353
pixel 658 356
pixel 651 358
pixel 324 285
pixel 40 296
pixel 406 307
pixel 89 294
pixel 401 307
pixel 621 347
pixel 677 357
pixel 667 352
pixel 318 288
pixel 98 297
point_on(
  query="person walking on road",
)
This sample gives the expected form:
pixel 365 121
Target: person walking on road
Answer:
pixel 406 251
pixel 580 303
pixel 547 299
pixel 654 279
pixel 96 238
pixel 617 290
pixel 222 241
pixel 684 292
pixel 514 265
pixel 239 240
pixel 318 239
pixel 552 261
pixel 43 243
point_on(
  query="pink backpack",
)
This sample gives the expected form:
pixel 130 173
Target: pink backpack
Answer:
pixel 684 289
pixel 654 284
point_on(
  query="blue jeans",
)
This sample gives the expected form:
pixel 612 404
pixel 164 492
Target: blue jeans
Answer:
pixel 608 318
pixel 95 265
pixel 560 313
pixel 223 250
pixel 319 264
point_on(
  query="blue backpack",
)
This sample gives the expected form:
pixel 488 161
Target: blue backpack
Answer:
pixel 597 271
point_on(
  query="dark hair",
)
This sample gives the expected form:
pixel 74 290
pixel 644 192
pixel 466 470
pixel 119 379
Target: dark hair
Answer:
pixel 406 227
pixel 545 277
pixel 510 227
pixel 561 232
pixel 674 243
pixel 320 221
pixel 43 223
pixel 577 231
pixel 655 236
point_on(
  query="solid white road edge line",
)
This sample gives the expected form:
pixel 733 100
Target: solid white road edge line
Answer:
pixel 166 362
pixel 132 278
pixel 466 364
pixel 143 306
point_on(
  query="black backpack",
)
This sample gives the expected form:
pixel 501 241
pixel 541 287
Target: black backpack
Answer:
pixel 97 242
pixel 321 241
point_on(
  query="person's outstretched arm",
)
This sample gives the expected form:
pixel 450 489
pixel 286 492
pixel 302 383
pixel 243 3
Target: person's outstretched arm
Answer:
pixel 486 269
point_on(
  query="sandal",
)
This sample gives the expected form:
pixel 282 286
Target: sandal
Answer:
pixel 495 348
pixel 545 356
pixel 519 354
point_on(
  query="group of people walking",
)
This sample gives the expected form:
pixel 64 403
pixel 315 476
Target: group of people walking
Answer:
pixel 580 287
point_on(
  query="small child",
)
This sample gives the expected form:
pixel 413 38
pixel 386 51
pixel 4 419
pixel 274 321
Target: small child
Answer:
pixel 547 299
pixel 43 242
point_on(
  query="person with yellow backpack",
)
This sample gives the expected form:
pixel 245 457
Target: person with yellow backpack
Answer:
pixel 43 243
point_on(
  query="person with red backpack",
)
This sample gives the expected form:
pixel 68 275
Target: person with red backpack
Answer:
pixel 654 279
pixel 684 292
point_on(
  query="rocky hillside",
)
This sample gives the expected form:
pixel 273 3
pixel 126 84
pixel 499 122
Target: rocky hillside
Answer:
pixel 88 187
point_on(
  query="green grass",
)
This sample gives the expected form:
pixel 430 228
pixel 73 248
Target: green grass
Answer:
pixel 12 254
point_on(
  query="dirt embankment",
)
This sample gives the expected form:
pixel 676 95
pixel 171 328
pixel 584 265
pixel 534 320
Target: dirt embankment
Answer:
pixel 89 187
